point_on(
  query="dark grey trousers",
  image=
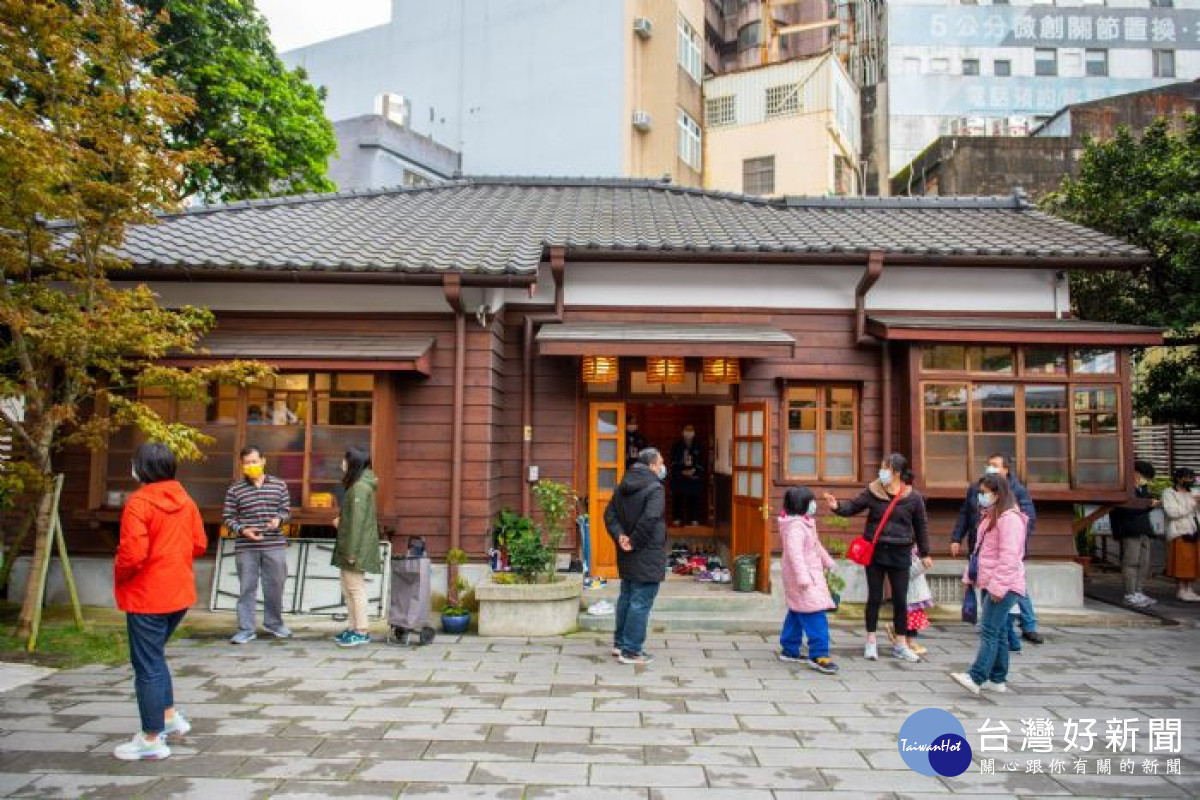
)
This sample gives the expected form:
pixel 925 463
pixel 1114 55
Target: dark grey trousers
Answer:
pixel 271 567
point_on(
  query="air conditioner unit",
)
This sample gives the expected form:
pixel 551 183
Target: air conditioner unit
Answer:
pixel 641 120
pixel 394 107
pixel 643 27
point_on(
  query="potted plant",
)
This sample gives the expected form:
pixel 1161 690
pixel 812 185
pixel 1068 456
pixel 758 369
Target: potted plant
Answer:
pixel 1085 545
pixel 456 616
pixel 532 599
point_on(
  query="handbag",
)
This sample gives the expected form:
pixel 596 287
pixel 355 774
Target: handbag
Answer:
pixel 970 606
pixel 862 549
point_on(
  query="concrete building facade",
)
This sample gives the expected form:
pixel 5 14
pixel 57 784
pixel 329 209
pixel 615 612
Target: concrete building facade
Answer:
pixel 791 128
pixel 377 151
pixel 970 69
pixel 567 87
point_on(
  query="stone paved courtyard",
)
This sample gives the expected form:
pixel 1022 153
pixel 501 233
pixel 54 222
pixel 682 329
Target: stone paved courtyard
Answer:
pixel 715 716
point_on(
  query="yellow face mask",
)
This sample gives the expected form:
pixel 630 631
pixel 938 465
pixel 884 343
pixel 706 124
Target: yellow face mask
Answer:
pixel 253 471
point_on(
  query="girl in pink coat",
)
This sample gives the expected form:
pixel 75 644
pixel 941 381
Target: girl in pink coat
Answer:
pixel 804 586
pixel 1000 554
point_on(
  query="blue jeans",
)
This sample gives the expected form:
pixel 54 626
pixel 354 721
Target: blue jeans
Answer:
pixel 633 615
pixel 797 625
pixel 991 662
pixel 1028 621
pixel 148 635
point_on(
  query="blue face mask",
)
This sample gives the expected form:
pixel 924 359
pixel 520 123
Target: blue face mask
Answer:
pixel 885 476
pixel 990 470
pixel 986 500
pixel 812 508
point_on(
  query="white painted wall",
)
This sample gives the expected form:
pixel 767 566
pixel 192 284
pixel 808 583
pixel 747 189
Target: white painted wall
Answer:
pixel 815 287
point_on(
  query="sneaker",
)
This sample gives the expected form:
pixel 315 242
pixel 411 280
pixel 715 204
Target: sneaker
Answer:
pixel 992 686
pixel 601 608
pixel 796 659
pixel 177 726
pixel 1146 599
pixel 355 639
pixel 967 682
pixel 343 636
pixel 635 658
pixel 905 653
pixel 282 632
pixel 242 637
pixel 823 665
pixel 1189 596
pixel 615 652
pixel 705 577
pixel 1033 636
pixel 139 749
pixel 871 651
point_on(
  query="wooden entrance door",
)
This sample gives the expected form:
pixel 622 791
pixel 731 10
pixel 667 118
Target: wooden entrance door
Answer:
pixel 751 487
pixel 606 466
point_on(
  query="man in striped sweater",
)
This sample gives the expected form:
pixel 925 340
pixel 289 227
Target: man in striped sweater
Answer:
pixel 255 509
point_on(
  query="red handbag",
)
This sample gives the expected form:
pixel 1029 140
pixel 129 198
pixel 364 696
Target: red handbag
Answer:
pixel 862 549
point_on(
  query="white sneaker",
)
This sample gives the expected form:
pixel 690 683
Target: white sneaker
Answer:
pixel 992 686
pixel 905 653
pixel 964 680
pixel 177 726
pixel 1191 595
pixel 871 651
pixel 1133 600
pixel 138 749
pixel 1146 599
pixel 601 608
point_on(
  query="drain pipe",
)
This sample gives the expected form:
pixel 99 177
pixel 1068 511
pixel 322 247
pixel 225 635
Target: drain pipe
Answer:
pixel 869 278
pixel 557 268
pixel 452 286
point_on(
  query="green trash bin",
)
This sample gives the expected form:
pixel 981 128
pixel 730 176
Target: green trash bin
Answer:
pixel 745 572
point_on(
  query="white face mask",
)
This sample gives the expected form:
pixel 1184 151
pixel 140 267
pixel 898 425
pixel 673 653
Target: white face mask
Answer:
pixel 812 508
pixel 662 472
pixel 885 476
pixel 990 470
pixel 986 500
pixel 133 472
pixel 345 467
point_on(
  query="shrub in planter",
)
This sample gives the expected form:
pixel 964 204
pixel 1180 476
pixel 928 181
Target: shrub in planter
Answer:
pixel 836 584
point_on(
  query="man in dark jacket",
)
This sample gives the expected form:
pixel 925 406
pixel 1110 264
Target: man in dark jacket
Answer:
pixel 968 524
pixel 687 479
pixel 1131 527
pixel 634 519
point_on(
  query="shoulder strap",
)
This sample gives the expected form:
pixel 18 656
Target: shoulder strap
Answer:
pixel 886 516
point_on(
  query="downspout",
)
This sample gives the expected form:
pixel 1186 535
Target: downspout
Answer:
pixel 869 279
pixel 557 268
pixel 452 286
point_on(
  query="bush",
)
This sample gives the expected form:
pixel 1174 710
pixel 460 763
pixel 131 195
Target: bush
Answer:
pixel 528 555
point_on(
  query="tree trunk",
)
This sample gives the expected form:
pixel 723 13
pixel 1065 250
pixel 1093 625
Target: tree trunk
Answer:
pixel 41 540
pixel 14 547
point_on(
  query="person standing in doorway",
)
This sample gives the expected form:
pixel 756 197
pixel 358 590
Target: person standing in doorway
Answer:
pixel 256 507
pixel 1131 527
pixel 634 520
pixel 896 521
pixel 357 550
pixel 161 534
pixel 1000 550
pixel 687 478
pixel 1183 549
pixel 635 442
pixel 968 522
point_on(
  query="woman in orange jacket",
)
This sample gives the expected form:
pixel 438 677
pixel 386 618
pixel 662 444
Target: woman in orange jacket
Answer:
pixel 161 533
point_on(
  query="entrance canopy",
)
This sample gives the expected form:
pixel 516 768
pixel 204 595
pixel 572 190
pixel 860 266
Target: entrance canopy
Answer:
pixel 344 352
pixel 649 339
pixel 1010 330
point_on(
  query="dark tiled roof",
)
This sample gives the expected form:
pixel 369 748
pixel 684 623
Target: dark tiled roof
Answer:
pixel 1041 329
pixel 501 226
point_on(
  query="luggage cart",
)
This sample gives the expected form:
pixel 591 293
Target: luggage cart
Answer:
pixel 408 611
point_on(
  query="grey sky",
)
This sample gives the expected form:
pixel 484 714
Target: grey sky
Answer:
pixel 295 23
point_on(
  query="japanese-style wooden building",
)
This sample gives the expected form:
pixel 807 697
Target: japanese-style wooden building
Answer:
pixel 452 329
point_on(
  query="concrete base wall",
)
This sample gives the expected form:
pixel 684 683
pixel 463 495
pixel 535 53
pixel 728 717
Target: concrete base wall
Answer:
pixel 529 609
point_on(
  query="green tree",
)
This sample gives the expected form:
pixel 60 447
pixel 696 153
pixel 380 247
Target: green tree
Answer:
pixel 1146 191
pixel 84 142
pixel 266 122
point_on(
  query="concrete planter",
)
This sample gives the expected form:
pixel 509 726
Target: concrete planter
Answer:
pixel 529 609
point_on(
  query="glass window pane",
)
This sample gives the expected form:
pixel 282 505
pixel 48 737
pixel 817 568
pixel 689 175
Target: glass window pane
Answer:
pixel 606 451
pixel 339 440
pixel 806 395
pixel 756 484
pixel 1096 474
pixel 743 453
pixel 802 419
pixel 1046 471
pixel 801 442
pixel 1097 448
pixel 985 445
pixel 945 445
pixel 992 359
pixel 944 357
pixel 208 495
pixel 841 395
pixel 945 407
pixel 353 384
pixel 802 465
pixel 1046 360
pixel 607 423
pixel 756 454
pixel 277 439
pixel 944 470
pixel 839 443
pixel 839 466
pixel 1041 446
pixel 1094 361
pixel 606 479
pixel 756 423
pixel 743 423
pixel 743 483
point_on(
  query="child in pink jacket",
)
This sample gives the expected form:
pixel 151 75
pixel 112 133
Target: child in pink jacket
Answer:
pixel 804 563
pixel 1000 554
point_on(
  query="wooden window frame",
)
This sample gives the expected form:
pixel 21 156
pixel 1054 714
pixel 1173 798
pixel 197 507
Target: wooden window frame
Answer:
pixel 785 434
pixel 382 430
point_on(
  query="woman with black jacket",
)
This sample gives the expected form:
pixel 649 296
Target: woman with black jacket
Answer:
pixel 906 526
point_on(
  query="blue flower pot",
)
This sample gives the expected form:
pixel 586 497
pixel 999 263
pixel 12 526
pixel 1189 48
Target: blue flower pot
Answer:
pixel 456 624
